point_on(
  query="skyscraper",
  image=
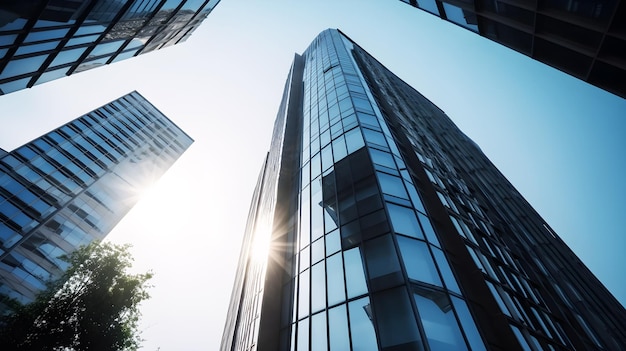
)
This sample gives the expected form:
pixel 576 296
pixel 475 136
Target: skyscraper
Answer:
pixel 376 224
pixel 43 40
pixel 583 38
pixel 72 185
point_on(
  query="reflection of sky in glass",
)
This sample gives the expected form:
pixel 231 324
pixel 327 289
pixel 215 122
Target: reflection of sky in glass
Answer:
pixel 428 5
pixel 456 15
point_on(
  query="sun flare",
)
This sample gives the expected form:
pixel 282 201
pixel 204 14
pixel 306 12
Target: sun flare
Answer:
pixel 261 244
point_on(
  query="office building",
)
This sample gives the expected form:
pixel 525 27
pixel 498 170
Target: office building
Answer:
pixel 583 38
pixel 74 184
pixel 43 40
pixel 387 228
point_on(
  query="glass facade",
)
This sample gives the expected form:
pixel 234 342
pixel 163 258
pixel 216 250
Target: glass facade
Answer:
pixel 72 185
pixel 47 39
pixel 584 38
pixel 391 230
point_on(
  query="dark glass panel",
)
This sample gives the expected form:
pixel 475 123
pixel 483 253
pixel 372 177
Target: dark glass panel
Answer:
pixel 397 326
pixel 440 325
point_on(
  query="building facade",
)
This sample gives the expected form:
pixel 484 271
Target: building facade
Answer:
pixel 583 38
pixel 74 184
pixel 386 228
pixel 42 40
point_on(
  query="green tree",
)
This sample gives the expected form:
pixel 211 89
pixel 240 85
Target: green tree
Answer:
pixel 94 306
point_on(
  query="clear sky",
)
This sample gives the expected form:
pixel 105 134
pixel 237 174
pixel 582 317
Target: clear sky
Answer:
pixel 560 141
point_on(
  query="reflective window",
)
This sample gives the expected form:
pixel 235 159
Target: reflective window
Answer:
pixel 461 17
pixel 428 5
pixel 404 221
pixel 22 66
pixel 418 262
pixel 29 49
pixel 338 329
pixel 440 325
pixel 82 40
pixel 381 257
pixel 303 297
pixel 361 326
pixel 355 276
pixel 428 229
pixel 48 34
pixel 392 185
pixel 106 48
pixel 303 335
pixel 467 322
pixel 333 243
pixel 318 287
pixel 318 332
pixel 67 56
pixel 395 319
pixel 382 158
pixel 336 288
pixel 445 270
pixel 317 251
pixel 354 140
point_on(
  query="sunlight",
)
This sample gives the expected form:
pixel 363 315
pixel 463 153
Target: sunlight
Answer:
pixel 261 244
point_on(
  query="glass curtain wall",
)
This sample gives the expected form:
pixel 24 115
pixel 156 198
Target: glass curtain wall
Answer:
pixel 371 274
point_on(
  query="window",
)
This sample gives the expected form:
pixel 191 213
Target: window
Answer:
pixel 404 221
pixel 440 325
pixel 418 261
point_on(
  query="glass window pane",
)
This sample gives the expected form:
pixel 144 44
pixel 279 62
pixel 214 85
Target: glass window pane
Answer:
pixel 382 158
pixel 338 329
pixel 468 325
pixel 381 257
pixel 303 297
pixel 317 250
pixel 428 229
pixel 333 243
pixel 318 287
pixel 396 321
pixel 461 17
pixel 23 66
pixel 67 56
pixel 355 276
pixel 392 185
pixel 374 137
pixel 441 328
pixel 339 148
pixel 404 221
pixel 445 270
pixel 418 262
pixel 336 288
pixel 354 140
pixel 428 5
pixel 361 327
pixel 303 335
pixel 318 332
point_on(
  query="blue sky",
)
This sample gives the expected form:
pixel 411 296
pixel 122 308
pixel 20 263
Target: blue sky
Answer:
pixel 558 140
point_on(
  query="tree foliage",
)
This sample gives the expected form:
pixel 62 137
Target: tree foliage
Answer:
pixel 94 306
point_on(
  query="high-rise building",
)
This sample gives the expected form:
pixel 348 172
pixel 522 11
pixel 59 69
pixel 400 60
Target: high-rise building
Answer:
pixel 376 224
pixel 74 184
pixel 42 40
pixel 583 38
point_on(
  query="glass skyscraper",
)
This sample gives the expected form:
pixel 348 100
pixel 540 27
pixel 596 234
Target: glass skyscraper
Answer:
pixel 386 228
pixel 42 40
pixel 584 38
pixel 74 184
